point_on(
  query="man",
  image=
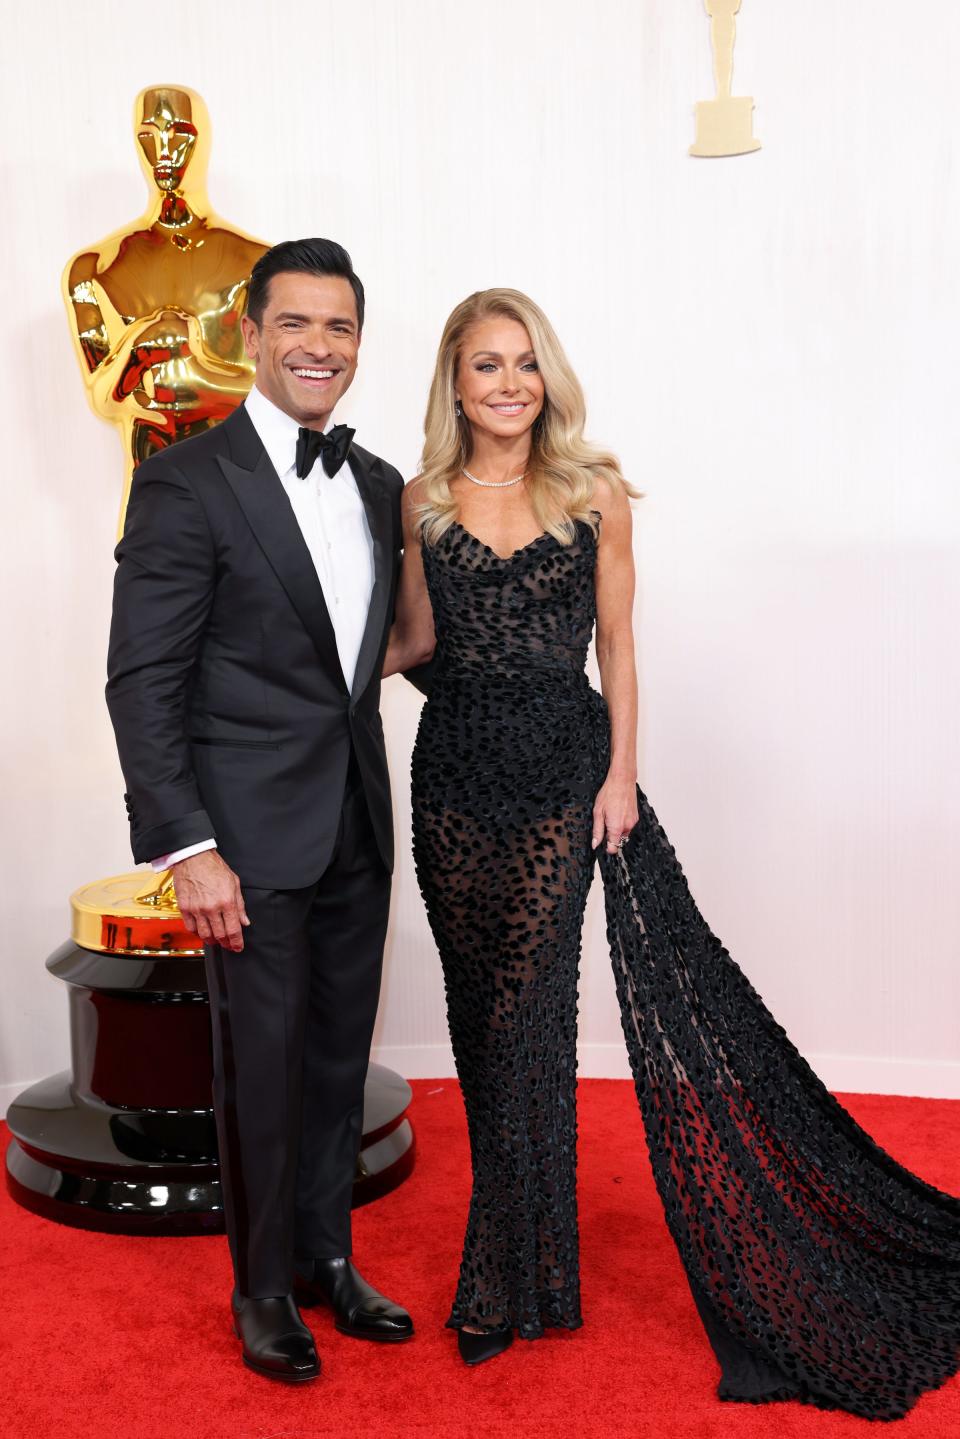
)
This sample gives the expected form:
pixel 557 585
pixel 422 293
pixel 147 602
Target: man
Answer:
pixel 253 598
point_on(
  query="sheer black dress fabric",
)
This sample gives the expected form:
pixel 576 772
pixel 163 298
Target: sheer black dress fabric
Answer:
pixel 822 1270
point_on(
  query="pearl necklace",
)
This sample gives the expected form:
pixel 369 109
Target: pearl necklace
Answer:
pixel 493 484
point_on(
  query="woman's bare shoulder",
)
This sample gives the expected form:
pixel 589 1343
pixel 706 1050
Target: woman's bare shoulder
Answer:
pixel 611 501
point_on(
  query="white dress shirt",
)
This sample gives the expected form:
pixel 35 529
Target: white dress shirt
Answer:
pixel 333 523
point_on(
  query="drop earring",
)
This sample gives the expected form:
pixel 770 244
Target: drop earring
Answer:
pixel 456 409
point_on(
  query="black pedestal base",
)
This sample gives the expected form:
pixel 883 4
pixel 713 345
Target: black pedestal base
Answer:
pixel 129 1177
pixel 144 1159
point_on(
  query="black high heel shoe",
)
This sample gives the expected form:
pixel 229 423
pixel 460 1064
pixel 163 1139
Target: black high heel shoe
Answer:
pixel 475 1348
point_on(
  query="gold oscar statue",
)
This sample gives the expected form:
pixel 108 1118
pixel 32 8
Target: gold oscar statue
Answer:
pixel 155 308
pixel 725 124
pixel 155 314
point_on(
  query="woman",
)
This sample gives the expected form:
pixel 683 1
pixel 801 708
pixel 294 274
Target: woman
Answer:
pixel 821 1269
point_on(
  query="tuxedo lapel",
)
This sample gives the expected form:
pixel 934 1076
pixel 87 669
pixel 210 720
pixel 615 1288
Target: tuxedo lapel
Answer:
pixel 264 502
pixel 376 503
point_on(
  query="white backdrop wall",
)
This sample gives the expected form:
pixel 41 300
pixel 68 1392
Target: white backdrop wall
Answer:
pixel 769 343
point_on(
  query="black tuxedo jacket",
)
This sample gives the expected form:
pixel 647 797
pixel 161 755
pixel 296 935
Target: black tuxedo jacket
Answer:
pixel 224 686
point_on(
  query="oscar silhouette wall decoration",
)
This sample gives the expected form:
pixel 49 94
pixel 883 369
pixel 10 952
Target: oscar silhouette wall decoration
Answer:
pixel 724 124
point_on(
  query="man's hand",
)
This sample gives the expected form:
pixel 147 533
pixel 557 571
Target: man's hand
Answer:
pixel 210 901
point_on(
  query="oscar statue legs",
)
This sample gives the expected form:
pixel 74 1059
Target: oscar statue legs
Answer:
pixel 293 1018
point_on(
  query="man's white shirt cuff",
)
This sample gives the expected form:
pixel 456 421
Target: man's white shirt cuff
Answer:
pixel 164 861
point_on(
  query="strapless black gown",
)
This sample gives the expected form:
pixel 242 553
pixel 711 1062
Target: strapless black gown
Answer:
pixel 822 1269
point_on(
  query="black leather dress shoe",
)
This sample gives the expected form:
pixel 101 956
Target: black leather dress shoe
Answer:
pixel 475 1348
pixel 358 1309
pixel 276 1342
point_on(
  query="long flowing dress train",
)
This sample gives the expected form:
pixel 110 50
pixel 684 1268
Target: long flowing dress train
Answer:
pixel 822 1269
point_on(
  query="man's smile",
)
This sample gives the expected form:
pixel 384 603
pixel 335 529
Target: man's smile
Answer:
pixel 313 375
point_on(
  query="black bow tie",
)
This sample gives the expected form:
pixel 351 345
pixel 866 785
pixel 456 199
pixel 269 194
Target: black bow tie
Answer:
pixel 333 446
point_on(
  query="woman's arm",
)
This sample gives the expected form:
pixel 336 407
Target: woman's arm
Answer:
pixel 412 640
pixel 615 808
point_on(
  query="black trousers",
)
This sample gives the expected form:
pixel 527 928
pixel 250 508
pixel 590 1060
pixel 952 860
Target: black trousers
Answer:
pixel 293 1018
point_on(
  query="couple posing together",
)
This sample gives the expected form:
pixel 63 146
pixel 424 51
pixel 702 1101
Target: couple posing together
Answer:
pixel 271 572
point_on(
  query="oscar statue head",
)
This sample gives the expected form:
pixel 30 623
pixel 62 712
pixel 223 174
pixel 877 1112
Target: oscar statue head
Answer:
pixel 722 9
pixel 173 131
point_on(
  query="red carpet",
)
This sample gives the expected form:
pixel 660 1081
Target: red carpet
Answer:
pixel 116 1338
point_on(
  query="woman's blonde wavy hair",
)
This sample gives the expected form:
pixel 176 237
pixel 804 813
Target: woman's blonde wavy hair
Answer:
pixel 563 466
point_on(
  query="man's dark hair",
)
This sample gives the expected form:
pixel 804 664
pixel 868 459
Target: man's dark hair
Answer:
pixel 309 257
